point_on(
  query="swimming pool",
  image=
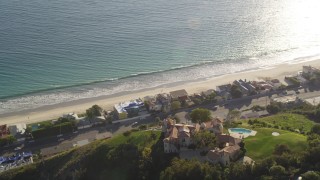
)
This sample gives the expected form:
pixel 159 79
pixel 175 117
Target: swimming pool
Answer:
pixel 240 130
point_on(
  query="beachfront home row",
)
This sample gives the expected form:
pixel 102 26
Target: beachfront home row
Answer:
pixel 127 109
pixel 249 87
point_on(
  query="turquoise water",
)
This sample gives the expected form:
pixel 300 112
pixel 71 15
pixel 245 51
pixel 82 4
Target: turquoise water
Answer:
pixel 240 130
pixel 64 50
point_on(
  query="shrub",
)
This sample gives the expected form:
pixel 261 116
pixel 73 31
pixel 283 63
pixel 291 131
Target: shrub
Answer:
pixel 203 153
pixel 177 119
pixel 310 175
pixel 273 108
pixel 197 101
pixel 7 140
pixel 127 133
pixel 258 108
pixel 192 146
pixel 143 127
pixel 54 130
pixel 175 105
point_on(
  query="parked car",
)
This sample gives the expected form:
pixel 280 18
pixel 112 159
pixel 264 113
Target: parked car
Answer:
pixel 17 148
pixel 134 124
pixel 215 108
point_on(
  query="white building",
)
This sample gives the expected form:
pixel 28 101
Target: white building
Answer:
pixel 121 108
pixel 17 129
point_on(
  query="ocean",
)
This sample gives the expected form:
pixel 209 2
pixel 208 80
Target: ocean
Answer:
pixel 64 50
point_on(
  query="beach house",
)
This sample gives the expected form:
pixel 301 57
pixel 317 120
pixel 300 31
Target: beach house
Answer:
pixel 160 102
pixel 275 83
pixel 223 88
pixel 247 88
pixel 128 109
pixel 17 129
pixel 4 131
pixel 310 71
pixel 152 104
pixel 179 95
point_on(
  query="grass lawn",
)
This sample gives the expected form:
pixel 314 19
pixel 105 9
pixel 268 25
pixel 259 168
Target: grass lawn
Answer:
pixel 138 138
pixel 262 145
pixel 294 121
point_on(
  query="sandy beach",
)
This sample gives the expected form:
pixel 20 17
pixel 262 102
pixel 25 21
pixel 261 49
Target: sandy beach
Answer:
pixel 107 102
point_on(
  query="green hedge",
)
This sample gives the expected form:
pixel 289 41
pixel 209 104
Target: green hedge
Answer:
pixel 54 130
pixel 293 80
pixel 7 140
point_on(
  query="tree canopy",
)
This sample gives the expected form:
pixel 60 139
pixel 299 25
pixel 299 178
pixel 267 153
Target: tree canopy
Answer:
pixel 281 149
pixel 94 111
pixel 316 129
pixel 204 139
pixel 190 169
pixel 200 115
pixel 274 108
pixel 175 105
pixel 233 115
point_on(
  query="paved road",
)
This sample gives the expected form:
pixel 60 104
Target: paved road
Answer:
pixel 68 140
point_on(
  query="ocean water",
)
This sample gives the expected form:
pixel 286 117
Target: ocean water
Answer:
pixel 64 50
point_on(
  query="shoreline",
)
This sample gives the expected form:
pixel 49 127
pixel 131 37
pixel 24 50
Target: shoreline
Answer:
pixel 107 101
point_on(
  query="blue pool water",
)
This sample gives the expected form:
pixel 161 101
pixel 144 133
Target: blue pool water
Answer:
pixel 240 130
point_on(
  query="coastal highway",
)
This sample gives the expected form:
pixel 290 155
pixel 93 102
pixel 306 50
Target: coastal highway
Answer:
pixel 67 141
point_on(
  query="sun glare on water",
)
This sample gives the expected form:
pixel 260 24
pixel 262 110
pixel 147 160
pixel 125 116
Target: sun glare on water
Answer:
pixel 303 18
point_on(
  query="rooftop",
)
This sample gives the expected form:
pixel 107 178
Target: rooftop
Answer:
pixel 224 138
pixel 178 93
pixel 121 107
pixel 314 101
pixel 285 99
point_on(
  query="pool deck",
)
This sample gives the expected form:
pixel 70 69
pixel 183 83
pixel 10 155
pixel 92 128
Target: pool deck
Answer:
pixel 242 135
